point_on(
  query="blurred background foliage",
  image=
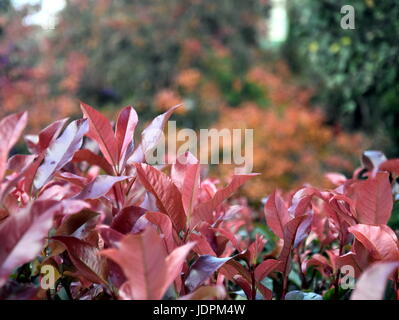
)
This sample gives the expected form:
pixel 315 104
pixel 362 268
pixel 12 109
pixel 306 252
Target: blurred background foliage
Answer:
pixel 354 73
pixel 314 101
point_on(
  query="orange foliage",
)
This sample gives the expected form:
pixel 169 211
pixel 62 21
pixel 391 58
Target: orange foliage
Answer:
pixel 292 145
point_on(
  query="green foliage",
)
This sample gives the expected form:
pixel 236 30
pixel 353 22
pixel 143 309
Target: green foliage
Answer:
pixel 354 72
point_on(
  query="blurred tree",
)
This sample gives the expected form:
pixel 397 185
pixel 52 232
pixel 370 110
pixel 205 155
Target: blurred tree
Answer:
pixel 354 72
pixel 139 50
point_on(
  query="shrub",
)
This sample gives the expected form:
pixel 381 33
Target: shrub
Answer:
pixel 85 207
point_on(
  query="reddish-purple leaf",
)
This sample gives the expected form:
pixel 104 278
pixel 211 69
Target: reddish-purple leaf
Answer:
pixel 293 234
pixel 11 128
pixel 124 221
pixel 265 268
pixel 373 199
pixel 372 283
pixel 165 228
pixel 61 151
pixel 85 258
pixel 100 130
pixel 45 137
pixel 202 269
pixel 99 187
pixel 168 197
pixel 149 272
pixel 124 131
pixel 379 240
pixel 204 211
pixel 150 136
pixel 276 214
pixel 93 159
pixel 22 234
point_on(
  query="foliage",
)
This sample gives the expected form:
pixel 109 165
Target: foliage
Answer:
pixel 353 71
pixel 85 204
pixel 30 82
pixel 292 143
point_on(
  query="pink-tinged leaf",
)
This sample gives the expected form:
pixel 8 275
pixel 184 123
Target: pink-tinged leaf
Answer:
pixel 276 214
pixel 61 151
pixel 168 197
pixel 19 162
pixel 206 293
pixel 99 187
pixel 148 271
pixel 336 179
pixel 391 166
pixel 11 128
pixel 379 240
pixel 145 269
pixel 46 136
pixel 100 130
pixel 202 246
pixel 124 131
pixel 293 233
pixel 202 269
pixel 204 211
pixel 22 234
pixel 174 263
pixel 124 221
pixel 93 159
pixel 348 259
pixel 85 258
pixel 186 176
pixel 372 283
pixel 373 199
pixel 150 136
pixel 110 236
pixel 165 228
pixel 265 268
pixel 244 285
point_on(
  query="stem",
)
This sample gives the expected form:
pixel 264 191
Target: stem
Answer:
pixel 253 285
pixel 301 274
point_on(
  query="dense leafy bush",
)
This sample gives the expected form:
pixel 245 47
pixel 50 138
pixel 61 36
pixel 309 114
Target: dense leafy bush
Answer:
pixel 84 204
pixel 353 71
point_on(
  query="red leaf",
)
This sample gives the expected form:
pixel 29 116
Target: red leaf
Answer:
pixel 186 175
pixel 294 233
pixel 22 234
pixel 372 283
pixel 276 214
pixel 124 131
pixel 93 159
pixel 124 221
pixel 265 268
pixel 391 166
pixel 168 197
pixel 164 225
pixel 11 128
pixel 379 240
pixel 202 269
pixel 151 136
pixel 373 199
pixel 99 187
pixel 100 130
pixel 149 272
pixel 203 212
pixel 85 258
pixel 46 136
pixel 61 151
